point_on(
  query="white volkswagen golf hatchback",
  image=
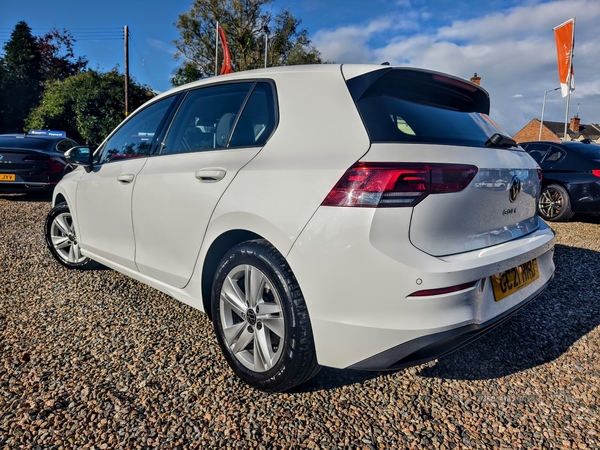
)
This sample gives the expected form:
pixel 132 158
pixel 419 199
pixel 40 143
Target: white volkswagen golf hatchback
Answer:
pixel 351 216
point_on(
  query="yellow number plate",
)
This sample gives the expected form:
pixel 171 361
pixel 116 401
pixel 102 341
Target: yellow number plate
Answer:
pixel 509 282
pixel 7 177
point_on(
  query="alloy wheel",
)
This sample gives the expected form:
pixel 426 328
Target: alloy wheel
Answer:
pixel 64 240
pixel 551 203
pixel 252 318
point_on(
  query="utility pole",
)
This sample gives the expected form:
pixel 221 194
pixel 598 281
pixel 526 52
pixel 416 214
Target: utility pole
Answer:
pixel 126 70
pixel 266 30
pixel 217 49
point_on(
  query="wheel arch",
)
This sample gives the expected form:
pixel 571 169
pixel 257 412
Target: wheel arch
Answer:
pixel 563 184
pixel 219 247
pixel 59 198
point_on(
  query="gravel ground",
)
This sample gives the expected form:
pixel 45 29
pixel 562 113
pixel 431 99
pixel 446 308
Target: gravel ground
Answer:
pixel 96 360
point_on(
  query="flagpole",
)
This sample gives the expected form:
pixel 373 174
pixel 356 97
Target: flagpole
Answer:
pixel 569 81
pixel 567 113
pixel 216 48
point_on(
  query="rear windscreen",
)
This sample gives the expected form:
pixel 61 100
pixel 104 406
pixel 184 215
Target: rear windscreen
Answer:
pixel 590 150
pixel 25 143
pixel 404 105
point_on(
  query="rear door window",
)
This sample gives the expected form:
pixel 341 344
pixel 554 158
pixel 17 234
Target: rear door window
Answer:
pixel 258 119
pixel 226 116
pixel 65 144
pixel 553 156
pixel 537 151
pixel 206 118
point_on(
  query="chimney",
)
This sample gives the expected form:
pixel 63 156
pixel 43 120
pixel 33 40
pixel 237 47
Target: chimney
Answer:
pixel 475 79
pixel 575 124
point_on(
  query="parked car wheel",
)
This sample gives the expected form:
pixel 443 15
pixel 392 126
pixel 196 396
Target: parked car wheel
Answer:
pixel 261 319
pixel 554 204
pixel 62 241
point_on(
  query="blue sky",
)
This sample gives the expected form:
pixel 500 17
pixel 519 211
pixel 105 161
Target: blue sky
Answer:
pixel 509 43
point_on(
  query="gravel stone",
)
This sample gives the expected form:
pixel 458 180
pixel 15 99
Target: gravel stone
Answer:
pixel 94 360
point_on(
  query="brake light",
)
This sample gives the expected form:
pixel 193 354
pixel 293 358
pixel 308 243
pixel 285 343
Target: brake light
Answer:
pixel 596 173
pixel 539 173
pixel 55 166
pixel 458 83
pixel 385 185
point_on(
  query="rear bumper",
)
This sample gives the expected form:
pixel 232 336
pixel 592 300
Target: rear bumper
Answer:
pixel 586 205
pixel 10 187
pixel 584 194
pixel 433 346
pixel 360 301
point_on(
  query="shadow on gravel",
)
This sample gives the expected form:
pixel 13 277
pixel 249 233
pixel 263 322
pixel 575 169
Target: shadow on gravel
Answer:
pixel 28 197
pixel 329 378
pixel 587 218
pixel 540 332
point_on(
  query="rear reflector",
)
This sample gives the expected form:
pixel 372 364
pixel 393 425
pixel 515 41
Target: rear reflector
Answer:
pixel 385 185
pixel 447 290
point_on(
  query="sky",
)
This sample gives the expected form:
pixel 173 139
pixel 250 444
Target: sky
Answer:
pixel 509 44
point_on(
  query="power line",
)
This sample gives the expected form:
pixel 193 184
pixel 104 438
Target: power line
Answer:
pixel 78 34
pixel 86 34
pixel 154 83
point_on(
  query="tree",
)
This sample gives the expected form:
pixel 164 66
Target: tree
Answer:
pixel 88 106
pixel 58 57
pixel 22 79
pixel 245 23
pixel 28 63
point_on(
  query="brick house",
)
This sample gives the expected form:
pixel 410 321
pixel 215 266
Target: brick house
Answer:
pixel 553 131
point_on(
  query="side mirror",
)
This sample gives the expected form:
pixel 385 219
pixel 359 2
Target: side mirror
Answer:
pixel 80 156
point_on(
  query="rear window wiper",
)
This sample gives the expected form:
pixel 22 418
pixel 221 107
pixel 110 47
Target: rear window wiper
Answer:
pixel 500 140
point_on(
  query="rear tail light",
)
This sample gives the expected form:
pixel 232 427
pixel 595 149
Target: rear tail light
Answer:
pixel 596 173
pixel 385 185
pixel 53 165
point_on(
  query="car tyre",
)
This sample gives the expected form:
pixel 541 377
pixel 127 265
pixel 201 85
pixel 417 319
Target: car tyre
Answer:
pixel 554 204
pixel 62 240
pixel 261 320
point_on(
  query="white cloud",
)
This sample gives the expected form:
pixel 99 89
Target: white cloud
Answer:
pixel 166 47
pixel 349 44
pixel 512 51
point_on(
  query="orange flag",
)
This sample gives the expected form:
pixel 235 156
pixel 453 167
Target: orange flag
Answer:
pixel 565 42
pixel 226 55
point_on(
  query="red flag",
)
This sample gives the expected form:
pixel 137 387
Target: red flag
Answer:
pixel 565 42
pixel 226 55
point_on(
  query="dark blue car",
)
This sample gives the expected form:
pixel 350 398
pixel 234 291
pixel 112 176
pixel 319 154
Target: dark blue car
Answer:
pixel 570 177
pixel 33 162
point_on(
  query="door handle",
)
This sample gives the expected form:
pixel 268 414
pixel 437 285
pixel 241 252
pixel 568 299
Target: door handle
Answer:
pixel 210 175
pixel 125 178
